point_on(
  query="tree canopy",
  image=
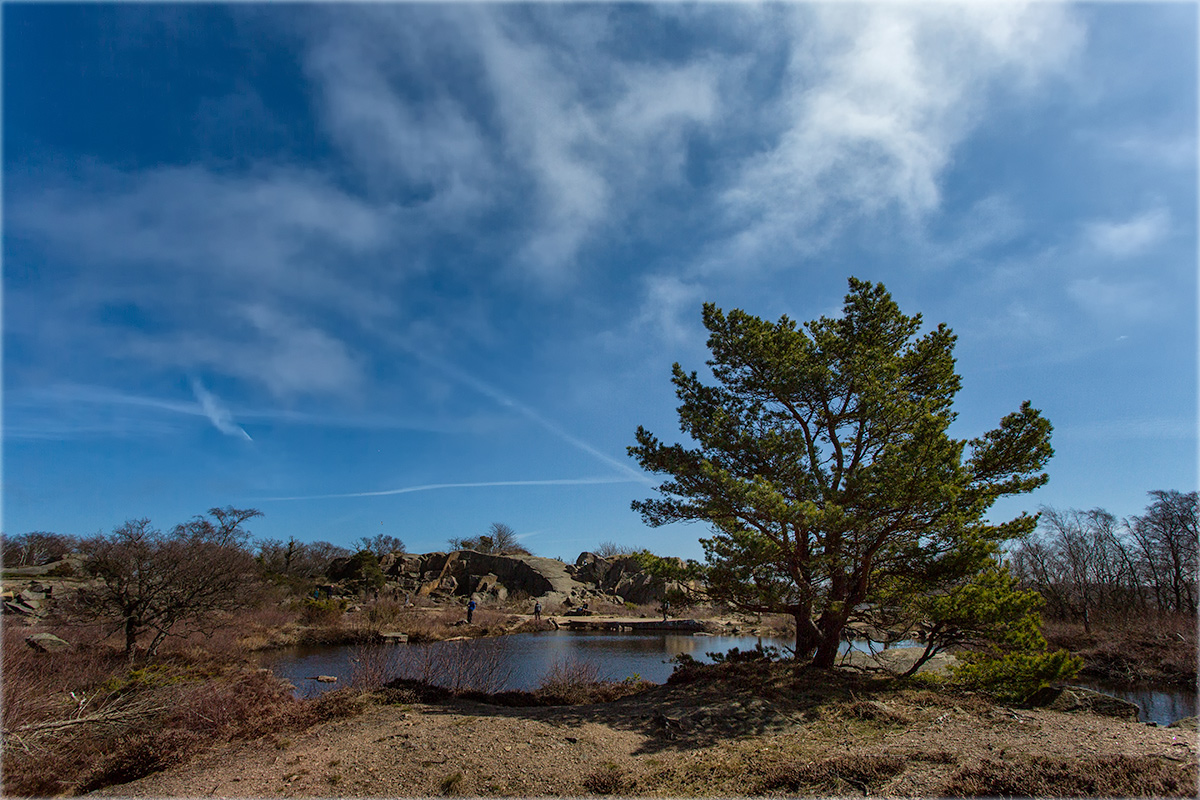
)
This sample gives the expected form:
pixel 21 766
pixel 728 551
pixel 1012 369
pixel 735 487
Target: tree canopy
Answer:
pixel 822 459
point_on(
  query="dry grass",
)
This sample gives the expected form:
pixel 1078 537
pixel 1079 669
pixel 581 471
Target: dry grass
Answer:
pixel 1159 648
pixel 43 686
pixel 1111 776
pixel 839 775
pixel 866 710
pixel 80 720
pixel 609 779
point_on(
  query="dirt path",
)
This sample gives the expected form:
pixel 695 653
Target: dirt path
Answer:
pixel 669 741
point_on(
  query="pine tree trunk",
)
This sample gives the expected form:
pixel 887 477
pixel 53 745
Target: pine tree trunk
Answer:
pixel 808 636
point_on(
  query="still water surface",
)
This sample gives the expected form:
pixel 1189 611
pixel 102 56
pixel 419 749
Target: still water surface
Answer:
pixel 528 656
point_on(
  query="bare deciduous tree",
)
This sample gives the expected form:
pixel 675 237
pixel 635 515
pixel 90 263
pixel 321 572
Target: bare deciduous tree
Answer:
pixel 612 550
pixel 35 548
pixel 1168 539
pixel 380 544
pixel 168 583
pixel 1084 562
pixel 499 539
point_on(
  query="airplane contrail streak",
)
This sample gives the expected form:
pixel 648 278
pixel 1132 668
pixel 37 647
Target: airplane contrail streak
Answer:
pixel 431 486
pixel 506 401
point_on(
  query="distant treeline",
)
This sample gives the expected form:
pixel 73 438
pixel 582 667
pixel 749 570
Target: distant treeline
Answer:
pixel 1089 564
pixel 292 558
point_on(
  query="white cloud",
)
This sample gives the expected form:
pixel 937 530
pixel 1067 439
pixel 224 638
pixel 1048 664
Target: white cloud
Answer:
pixel 671 310
pixel 875 100
pixel 559 133
pixel 277 232
pixel 1131 237
pixel 432 146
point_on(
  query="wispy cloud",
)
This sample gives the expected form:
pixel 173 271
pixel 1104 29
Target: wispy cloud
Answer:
pixel 208 262
pixel 217 413
pixel 1131 428
pixel 72 411
pixel 1130 237
pixel 68 411
pixel 1116 299
pixel 473 485
pixel 874 101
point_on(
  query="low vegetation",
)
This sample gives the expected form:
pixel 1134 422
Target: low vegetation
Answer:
pixel 83 719
pixel 161 623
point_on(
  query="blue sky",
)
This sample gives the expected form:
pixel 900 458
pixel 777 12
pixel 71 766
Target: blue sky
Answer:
pixel 414 269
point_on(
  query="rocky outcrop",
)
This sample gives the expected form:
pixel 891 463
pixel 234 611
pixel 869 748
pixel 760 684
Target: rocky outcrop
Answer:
pixel 623 577
pixel 30 601
pixel 467 572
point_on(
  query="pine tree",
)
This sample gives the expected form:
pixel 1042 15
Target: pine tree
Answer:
pixel 824 464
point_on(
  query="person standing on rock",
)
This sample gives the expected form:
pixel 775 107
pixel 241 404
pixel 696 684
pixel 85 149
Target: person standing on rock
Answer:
pixel 666 608
pixel 537 610
pixel 470 610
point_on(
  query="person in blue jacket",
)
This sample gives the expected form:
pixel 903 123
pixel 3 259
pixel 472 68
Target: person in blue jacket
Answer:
pixel 470 610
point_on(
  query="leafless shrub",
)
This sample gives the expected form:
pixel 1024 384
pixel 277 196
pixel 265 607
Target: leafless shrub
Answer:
pixel 141 753
pixel 1108 776
pixel 837 775
pixel 569 681
pixel 609 779
pixel 373 665
pixel 41 686
pixel 460 666
pixel 612 550
pixel 118 724
pixel 338 704
pixel 571 672
pixel 382 612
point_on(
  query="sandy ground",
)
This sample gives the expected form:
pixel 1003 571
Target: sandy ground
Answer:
pixel 705 740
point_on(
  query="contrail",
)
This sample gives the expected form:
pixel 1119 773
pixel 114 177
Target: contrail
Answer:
pixel 430 486
pixel 217 414
pixel 528 413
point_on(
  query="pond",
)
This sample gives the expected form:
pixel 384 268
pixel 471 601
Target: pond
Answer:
pixel 1158 704
pixel 521 661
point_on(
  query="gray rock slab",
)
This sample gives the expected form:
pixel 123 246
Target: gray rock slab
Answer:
pixel 47 643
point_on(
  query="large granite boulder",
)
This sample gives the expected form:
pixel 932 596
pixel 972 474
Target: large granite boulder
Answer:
pixel 623 576
pixel 1078 699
